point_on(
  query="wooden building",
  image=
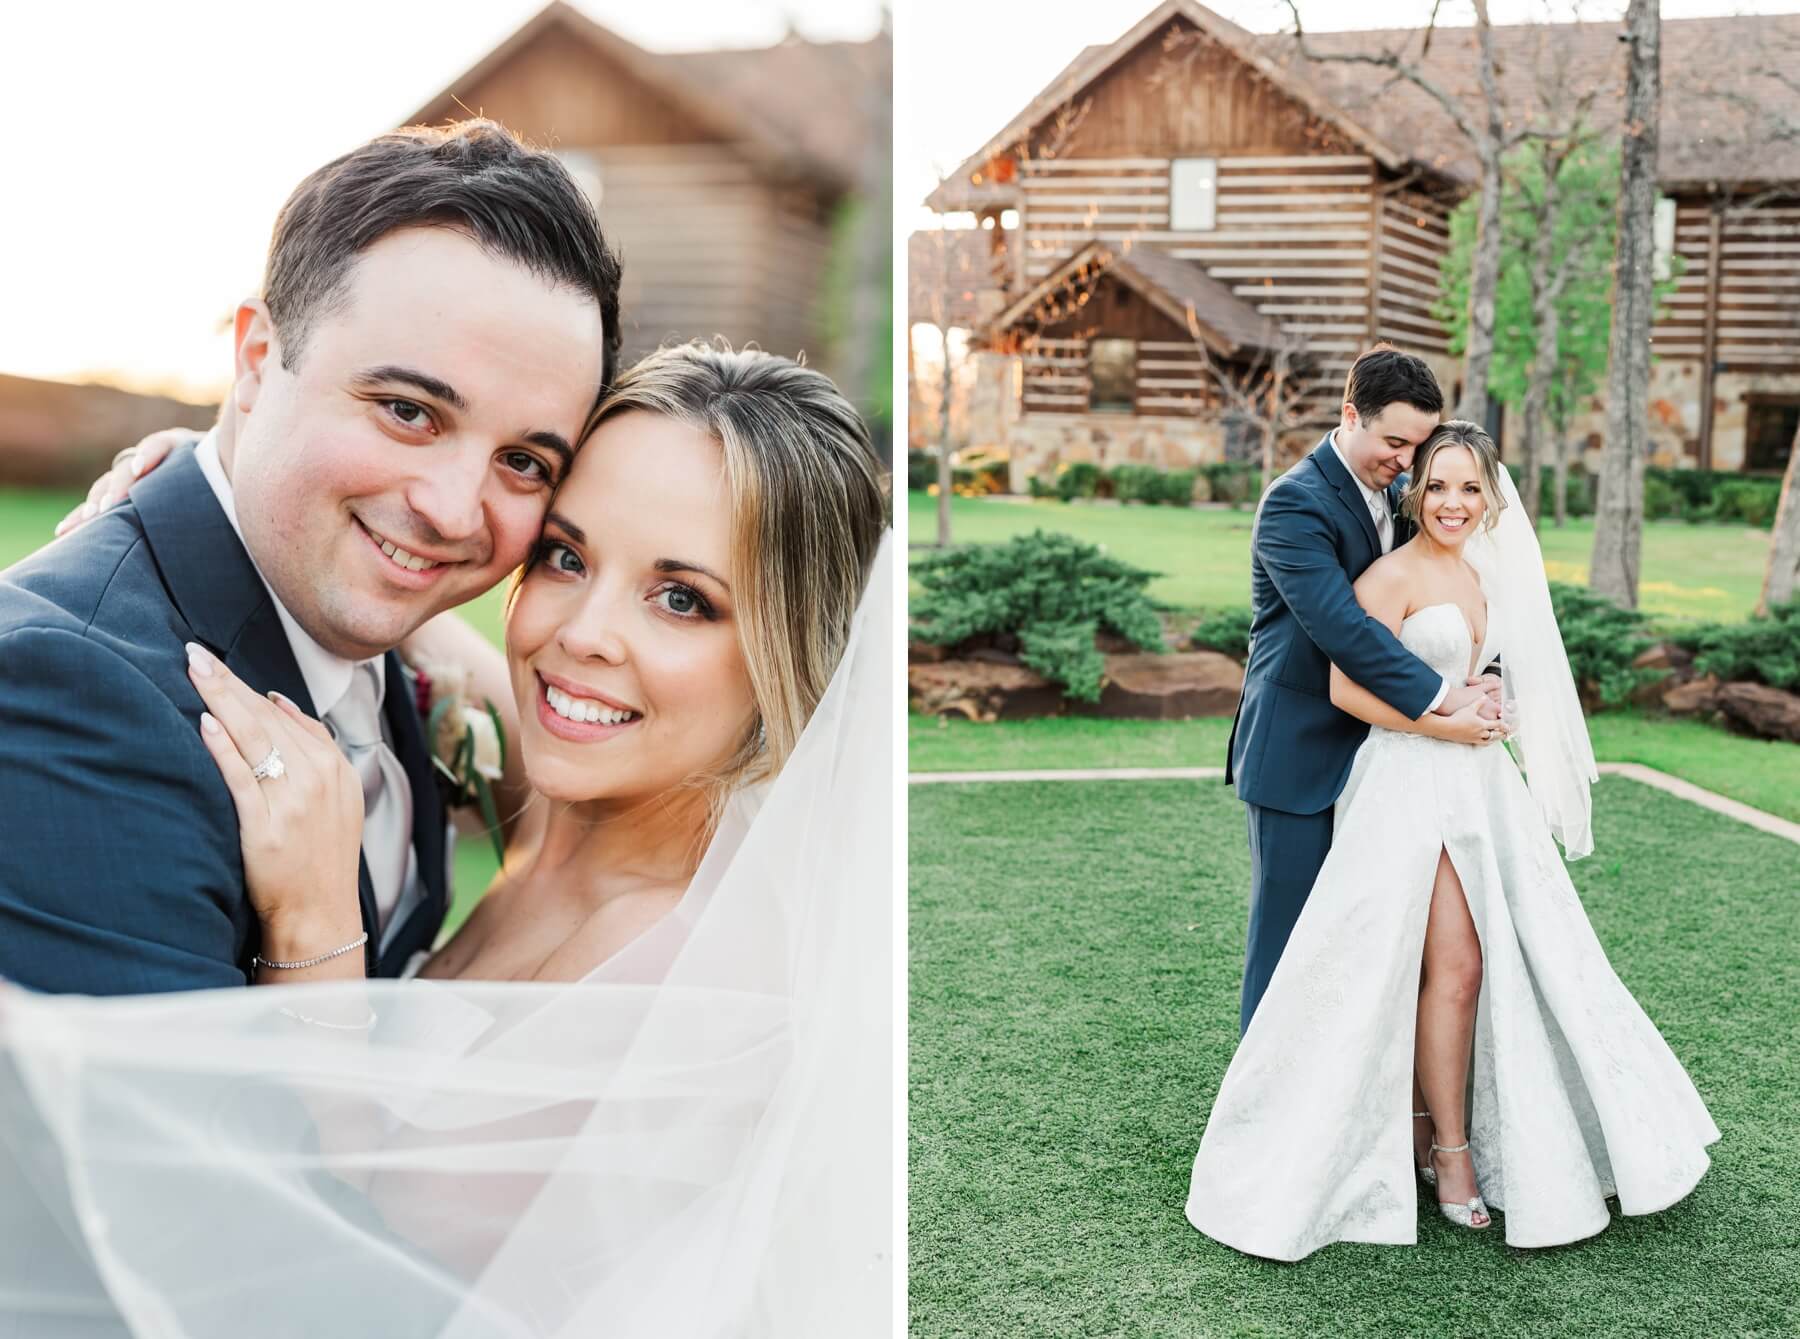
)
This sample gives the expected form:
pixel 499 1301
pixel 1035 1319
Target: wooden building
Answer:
pixel 717 174
pixel 1181 206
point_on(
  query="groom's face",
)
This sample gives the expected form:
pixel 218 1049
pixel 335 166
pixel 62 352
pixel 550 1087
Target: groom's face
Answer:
pixel 1380 448
pixel 403 462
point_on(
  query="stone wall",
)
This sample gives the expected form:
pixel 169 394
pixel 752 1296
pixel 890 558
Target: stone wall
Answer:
pixel 1674 416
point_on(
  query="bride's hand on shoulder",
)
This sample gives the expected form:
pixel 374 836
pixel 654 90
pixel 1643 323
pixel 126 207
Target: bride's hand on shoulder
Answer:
pixel 299 825
pixel 130 465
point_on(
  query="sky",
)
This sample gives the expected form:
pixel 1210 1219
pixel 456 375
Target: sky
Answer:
pixel 964 68
pixel 151 142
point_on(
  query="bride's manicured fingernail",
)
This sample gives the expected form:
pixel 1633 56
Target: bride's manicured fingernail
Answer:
pixel 209 723
pixel 137 463
pixel 198 660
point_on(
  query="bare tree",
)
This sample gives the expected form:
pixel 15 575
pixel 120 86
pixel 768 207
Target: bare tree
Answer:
pixel 937 283
pixel 1491 140
pixel 1619 506
pixel 1267 390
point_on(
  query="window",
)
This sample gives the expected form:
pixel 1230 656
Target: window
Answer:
pixel 1769 427
pixel 1193 194
pixel 1664 234
pixel 1112 375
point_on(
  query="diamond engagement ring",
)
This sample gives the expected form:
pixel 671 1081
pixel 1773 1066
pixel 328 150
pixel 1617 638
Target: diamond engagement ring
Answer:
pixel 271 766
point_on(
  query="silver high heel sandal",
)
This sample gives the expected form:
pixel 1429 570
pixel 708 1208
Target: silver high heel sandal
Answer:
pixel 1427 1173
pixel 1463 1215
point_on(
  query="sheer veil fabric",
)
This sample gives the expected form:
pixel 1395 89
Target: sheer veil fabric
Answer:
pixel 693 1141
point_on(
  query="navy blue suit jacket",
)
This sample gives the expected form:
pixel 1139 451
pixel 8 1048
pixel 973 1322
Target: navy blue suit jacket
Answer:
pixel 120 870
pixel 1290 748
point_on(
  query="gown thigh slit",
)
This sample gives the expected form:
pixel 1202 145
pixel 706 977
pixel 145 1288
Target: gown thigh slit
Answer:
pixel 1573 1095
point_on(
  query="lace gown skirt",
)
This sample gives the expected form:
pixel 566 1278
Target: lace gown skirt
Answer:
pixel 1574 1095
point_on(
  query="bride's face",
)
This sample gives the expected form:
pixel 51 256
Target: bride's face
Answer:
pixel 1453 503
pixel 623 640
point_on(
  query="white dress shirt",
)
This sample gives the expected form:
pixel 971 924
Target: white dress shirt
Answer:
pixel 1376 500
pixel 327 677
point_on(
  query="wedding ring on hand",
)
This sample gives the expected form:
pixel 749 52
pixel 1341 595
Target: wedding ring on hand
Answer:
pixel 269 767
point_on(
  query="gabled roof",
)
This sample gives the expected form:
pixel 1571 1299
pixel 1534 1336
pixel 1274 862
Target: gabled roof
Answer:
pixel 1725 119
pixel 955 191
pixel 1184 293
pixel 765 101
pixel 1722 113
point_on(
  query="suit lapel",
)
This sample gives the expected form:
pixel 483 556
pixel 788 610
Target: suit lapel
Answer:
pixel 1347 490
pixel 221 596
pixel 429 823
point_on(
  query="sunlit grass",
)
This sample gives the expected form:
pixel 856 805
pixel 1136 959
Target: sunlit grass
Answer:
pixel 1689 573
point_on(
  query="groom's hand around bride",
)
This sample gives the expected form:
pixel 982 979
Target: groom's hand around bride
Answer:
pixel 1469 724
pixel 299 824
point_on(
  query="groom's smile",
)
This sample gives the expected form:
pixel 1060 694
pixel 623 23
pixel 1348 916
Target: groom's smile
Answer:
pixel 402 461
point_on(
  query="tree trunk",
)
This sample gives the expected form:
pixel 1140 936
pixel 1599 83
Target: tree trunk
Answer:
pixel 1783 579
pixel 1619 508
pixel 1545 324
pixel 1484 267
pixel 946 476
pixel 1559 451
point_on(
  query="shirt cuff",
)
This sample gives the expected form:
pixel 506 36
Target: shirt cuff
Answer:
pixel 1442 693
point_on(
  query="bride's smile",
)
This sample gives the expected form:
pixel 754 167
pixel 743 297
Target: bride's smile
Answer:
pixel 623 631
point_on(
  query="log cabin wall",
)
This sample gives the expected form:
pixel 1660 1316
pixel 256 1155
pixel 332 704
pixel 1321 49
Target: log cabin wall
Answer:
pixel 1734 314
pixel 714 240
pixel 1304 226
pixel 1169 376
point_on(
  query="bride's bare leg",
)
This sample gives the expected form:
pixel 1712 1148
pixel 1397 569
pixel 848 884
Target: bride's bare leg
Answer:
pixel 1446 1026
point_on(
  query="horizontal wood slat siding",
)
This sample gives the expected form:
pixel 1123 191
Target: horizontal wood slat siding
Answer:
pixel 1758 317
pixel 1292 236
pixel 1415 234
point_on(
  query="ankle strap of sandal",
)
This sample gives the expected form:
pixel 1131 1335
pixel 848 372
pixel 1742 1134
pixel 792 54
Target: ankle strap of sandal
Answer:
pixel 1460 1148
pixel 1417 1114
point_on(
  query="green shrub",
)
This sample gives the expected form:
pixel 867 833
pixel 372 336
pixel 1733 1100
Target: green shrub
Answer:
pixel 1051 594
pixel 1752 501
pixel 1135 483
pixel 1602 640
pixel 1711 495
pixel 1176 487
pixel 1081 479
pixel 1579 494
pixel 921 469
pixel 1765 649
pixel 1662 500
pixel 1038 488
pixel 1226 630
pixel 1233 481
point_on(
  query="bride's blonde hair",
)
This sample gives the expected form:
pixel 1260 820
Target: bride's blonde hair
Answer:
pixel 1458 432
pixel 809 503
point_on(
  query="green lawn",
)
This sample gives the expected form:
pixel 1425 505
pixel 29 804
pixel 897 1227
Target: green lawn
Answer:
pixel 1075 960
pixel 27 520
pixel 1690 572
pixel 1764 773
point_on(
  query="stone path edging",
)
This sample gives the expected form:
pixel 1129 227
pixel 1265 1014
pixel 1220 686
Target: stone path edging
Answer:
pixel 1649 776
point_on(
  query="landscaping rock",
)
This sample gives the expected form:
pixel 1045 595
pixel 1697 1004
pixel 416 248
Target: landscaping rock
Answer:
pixel 1696 695
pixel 1665 656
pixel 1764 711
pixel 1170 687
pixel 982 691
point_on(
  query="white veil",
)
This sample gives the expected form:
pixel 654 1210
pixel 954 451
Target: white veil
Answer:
pixel 1550 734
pixel 696 1141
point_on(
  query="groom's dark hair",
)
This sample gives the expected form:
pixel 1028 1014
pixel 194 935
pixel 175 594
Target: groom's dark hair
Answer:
pixel 1384 376
pixel 472 176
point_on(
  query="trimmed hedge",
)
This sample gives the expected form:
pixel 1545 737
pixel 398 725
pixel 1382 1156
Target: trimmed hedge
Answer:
pixel 1766 649
pixel 1047 595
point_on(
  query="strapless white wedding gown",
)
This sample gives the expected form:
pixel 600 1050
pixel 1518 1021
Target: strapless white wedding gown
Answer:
pixel 1574 1095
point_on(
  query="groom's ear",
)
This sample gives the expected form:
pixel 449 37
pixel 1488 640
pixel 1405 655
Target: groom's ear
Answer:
pixel 253 342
